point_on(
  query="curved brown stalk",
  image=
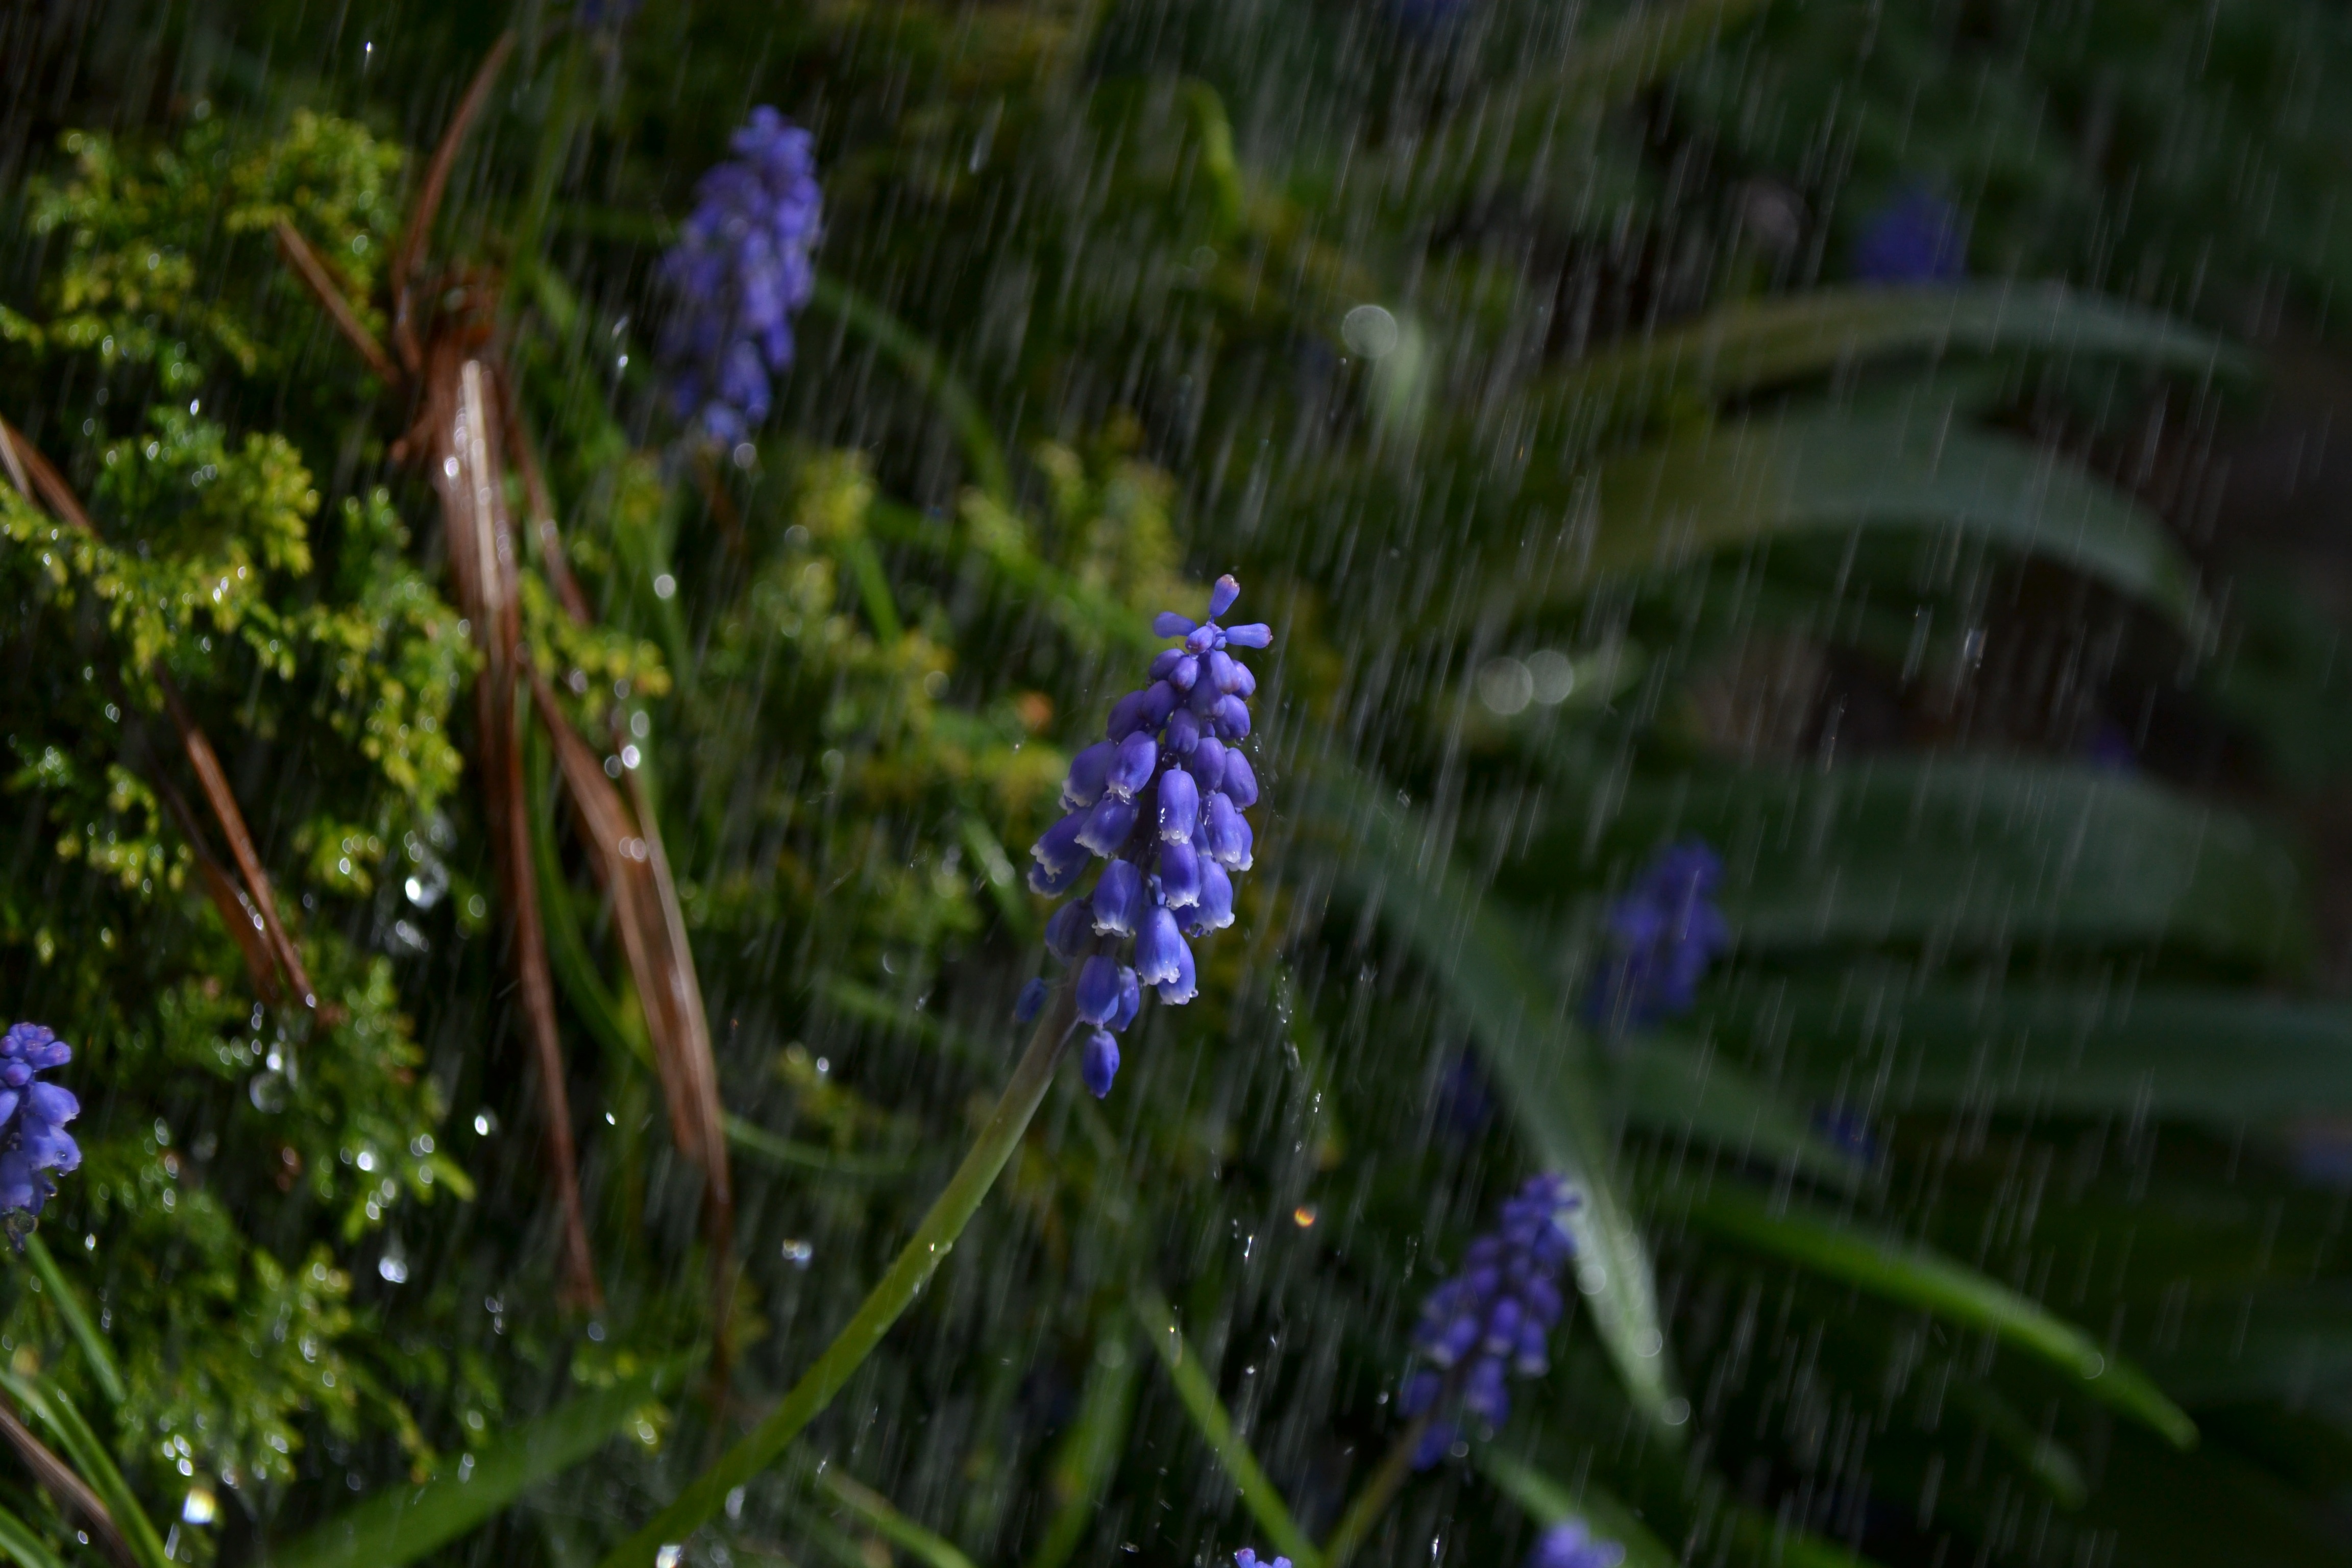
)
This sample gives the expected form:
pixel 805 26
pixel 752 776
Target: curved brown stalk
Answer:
pixel 236 912
pixel 653 940
pixel 467 469
pixel 428 202
pixel 328 292
pixel 73 1494
pixel 551 559
pixel 36 475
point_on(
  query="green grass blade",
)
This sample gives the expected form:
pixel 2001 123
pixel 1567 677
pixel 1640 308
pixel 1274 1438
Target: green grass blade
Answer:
pixel 23 1545
pixel 1548 1501
pixel 921 364
pixel 1087 1455
pixel 1900 1271
pixel 1960 853
pixel 89 1456
pixel 758 1141
pixel 1199 1400
pixel 402 1523
pixel 1739 348
pixel 1674 1083
pixel 1379 854
pixel 1721 487
pixel 2210 1056
pixel 2046 1459
pixel 68 1302
pixel 888 1523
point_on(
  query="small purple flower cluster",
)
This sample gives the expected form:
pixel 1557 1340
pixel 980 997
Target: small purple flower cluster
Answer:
pixel 1570 1544
pixel 1916 238
pixel 740 271
pixel 33 1114
pixel 1495 1317
pixel 1248 1558
pixel 1663 932
pixel 1159 800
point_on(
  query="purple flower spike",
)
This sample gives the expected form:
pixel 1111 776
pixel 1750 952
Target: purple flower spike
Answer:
pixel 1139 759
pixel 1118 898
pixel 1662 934
pixel 1089 769
pixel 1571 1544
pixel 1246 1558
pixel 1492 1319
pixel 1098 988
pixel 33 1114
pixel 1098 1062
pixel 1107 825
pixel 1157 950
pixel 738 273
pixel 1180 876
pixel 1147 800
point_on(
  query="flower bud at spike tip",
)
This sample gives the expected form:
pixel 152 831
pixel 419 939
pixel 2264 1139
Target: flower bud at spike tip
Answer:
pixel 1255 635
pixel 1169 624
pixel 1180 806
pixel 1107 825
pixel 1184 673
pixel 1031 1002
pixel 1087 771
pixel 1246 1558
pixel 1222 596
pixel 1098 987
pixel 1118 898
pixel 1138 756
pixel 1098 1062
pixel 1220 671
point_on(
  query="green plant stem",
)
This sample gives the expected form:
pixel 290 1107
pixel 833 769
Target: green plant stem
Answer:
pixel 1365 1511
pixel 1259 1494
pixel 85 1334
pixel 893 1526
pixel 907 1274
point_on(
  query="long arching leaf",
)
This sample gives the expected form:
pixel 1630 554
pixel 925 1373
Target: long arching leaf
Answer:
pixel 1914 1275
pixel 403 1523
pixel 1819 472
pixel 1382 858
pixel 1742 347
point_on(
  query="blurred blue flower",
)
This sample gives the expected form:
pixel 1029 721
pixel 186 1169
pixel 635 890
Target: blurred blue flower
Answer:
pixel 1569 1544
pixel 1159 799
pixel 1662 933
pixel 1246 1558
pixel 33 1114
pixel 1918 238
pixel 1493 1319
pixel 605 12
pixel 738 273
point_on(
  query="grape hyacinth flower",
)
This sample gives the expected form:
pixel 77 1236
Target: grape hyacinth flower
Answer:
pixel 1160 801
pixel 1248 1558
pixel 1916 238
pixel 738 273
pixel 1662 933
pixel 1570 1544
pixel 1493 1318
pixel 33 1114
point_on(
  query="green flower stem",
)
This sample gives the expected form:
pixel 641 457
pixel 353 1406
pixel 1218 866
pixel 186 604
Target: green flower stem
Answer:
pixel 1259 1492
pixel 1364 1511
pixel 897 1290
